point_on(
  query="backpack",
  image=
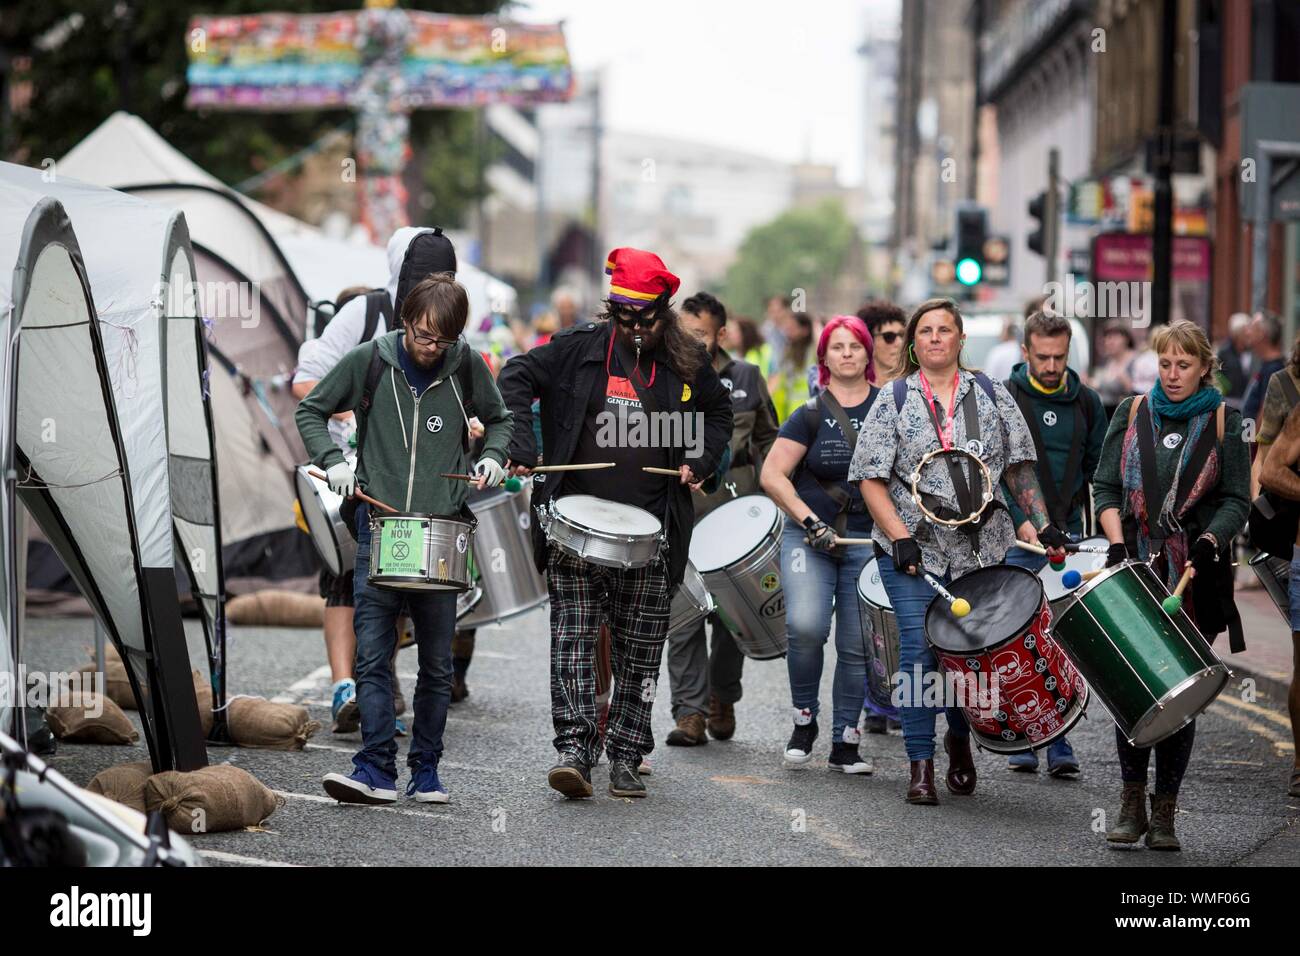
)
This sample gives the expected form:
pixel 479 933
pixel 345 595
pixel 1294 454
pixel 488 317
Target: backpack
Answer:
pixel 377 303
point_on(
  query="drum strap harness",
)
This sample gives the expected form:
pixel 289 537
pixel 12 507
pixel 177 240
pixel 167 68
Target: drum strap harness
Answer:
pixel 844 501
pixel 1058 508
pixel 1156 531
pixel 960 486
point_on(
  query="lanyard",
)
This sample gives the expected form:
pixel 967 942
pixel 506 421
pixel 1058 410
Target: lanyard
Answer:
pixel 945 430
pixel 636 371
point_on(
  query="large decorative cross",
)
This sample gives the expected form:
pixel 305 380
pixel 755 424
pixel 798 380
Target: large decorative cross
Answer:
pixel 381 62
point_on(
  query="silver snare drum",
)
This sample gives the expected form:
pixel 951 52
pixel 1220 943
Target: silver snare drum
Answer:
pixel 1275 574
pixel 329 533
pixel 880 634
pixel 414 552
pixel 737 550
pixel 603 532
pixel 691 604
pixel 1058 595
pixel 503 558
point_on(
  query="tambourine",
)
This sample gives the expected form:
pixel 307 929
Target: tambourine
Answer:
pixel 974 516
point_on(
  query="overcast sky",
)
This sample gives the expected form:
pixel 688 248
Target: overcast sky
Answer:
pixel 777 79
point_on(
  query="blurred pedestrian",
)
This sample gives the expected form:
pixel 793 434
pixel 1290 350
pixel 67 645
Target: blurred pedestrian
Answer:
pixel 1235 359
pixel 887 323
pixel 1114 378
pixel 788 382
pixel 1004 356
pixel 1266 346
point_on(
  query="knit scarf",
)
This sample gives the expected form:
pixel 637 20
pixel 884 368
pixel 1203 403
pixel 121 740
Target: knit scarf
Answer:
pixel 1199 411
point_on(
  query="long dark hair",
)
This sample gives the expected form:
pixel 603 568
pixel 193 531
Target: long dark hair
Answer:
pixel 679 348
pixel 796 352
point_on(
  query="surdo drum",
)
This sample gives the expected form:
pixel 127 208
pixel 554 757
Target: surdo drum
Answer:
pixel 691 604
pixel 503 558
pixel 602 532
pixel 415 552
pixel 1058 595
pixel 737 550
pixel 1153 670
pixel 329 532
pixel 880 634
pixel 1036 695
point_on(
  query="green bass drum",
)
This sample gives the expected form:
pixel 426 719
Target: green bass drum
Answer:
pixel 1152 670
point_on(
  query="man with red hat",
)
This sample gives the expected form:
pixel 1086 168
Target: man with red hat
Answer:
pixel 638 363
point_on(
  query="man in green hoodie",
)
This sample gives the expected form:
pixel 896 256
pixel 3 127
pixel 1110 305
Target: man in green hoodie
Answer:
pixel 1068 424
pixel 410 390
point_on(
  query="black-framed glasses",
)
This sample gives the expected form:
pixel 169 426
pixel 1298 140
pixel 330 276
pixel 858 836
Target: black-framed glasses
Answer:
pixel 420 338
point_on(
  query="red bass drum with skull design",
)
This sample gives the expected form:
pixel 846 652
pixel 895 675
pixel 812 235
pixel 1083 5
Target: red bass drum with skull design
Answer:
pixel 1020 690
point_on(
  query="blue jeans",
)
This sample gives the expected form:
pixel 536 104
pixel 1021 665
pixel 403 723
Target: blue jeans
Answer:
pixel 434 615
pixel 910 597
pixel 816 585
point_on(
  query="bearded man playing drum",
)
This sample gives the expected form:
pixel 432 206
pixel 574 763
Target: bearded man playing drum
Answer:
pixel 405 388
pixel 603 389
pixel 1174 483
pixel 935 402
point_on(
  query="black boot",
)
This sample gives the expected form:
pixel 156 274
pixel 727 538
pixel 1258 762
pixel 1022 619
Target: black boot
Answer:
pixel 1161 835
pixel 1132 821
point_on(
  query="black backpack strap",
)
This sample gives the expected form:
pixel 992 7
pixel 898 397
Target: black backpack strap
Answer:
pixel 465 377
pixel 377 304
pixel 373 374
pixel 1200 454
pixel 900 393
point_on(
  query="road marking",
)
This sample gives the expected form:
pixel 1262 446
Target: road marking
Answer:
pixel 1269 715
pixel 1281 746
pixel 238 858
pixel 293 693
pixel 450 765
pixel 818 828
pixel 441 817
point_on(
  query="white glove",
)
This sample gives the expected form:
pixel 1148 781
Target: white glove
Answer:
pixel 494 473
pixel 342 480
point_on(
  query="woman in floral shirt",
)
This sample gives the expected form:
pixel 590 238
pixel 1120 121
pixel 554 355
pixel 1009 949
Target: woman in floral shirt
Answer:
pixel 924 406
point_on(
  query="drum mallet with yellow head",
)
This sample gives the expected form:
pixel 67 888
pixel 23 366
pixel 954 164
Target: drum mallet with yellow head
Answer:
pixel 960 607
pixel 1174 603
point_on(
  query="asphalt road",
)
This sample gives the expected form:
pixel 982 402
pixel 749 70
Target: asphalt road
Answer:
pixel 726 803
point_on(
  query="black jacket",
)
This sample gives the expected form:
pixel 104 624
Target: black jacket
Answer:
pixel 563 374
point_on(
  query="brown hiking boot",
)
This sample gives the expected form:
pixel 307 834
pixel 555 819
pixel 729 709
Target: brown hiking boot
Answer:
pixel 1132 815
pixel 1161 835
pixel 722 719
pixel 689 732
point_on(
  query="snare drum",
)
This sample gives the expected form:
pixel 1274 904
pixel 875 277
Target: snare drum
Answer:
pixel 1274 574
pixel 691 604
pixel 603 532
pixel 1153 671
pixel 1029 692
pixel 737 550
pixel 329 533
pixel 503 558
pixel 1058 595
pixel 880 635
pixel 415 552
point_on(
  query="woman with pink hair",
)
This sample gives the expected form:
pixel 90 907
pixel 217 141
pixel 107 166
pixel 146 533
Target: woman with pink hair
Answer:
pixel 806 474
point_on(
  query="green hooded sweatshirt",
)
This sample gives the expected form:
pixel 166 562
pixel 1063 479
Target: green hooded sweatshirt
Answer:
pixel 409 441
pixel 1054 415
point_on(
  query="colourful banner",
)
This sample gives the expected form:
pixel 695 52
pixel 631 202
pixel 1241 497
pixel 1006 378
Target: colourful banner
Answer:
pixel 280 62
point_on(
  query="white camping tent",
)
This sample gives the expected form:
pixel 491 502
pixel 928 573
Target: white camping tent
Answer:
pixel 64 448
pixel 153 341
pixel 257 311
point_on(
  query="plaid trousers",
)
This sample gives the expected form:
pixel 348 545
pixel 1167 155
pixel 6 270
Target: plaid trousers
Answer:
pixel 635 602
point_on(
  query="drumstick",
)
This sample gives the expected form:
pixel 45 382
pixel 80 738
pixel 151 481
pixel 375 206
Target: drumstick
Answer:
pixel 542 469
pixel 839 540
pixel 650 469
pixel 510 484
pixel 1039 549
pixel 357 493
pixel 1174 602
pixel 960 607
pixel 1072 579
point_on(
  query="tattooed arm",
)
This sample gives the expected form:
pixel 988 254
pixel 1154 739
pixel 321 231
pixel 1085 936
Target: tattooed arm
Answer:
pixel 1022 482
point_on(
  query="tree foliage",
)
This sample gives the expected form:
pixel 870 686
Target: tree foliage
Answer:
pixel 803 248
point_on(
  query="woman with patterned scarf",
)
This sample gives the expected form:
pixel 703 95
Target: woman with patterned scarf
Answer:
pixel 1198 501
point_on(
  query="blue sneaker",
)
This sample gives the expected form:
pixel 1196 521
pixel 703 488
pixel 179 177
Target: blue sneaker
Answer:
pixel 425 785
pixel 366 784
pixel 1061 761
pixel 400 728
pixel 1025 762
pixel 344 711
